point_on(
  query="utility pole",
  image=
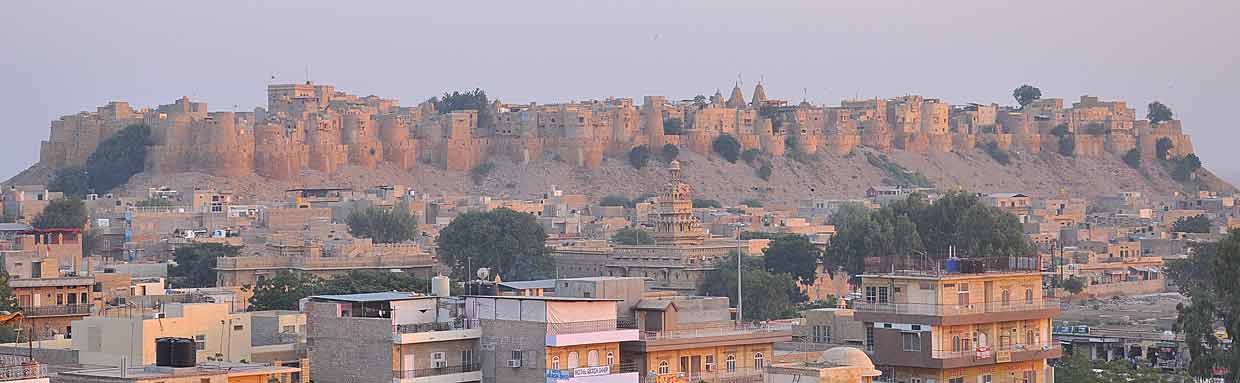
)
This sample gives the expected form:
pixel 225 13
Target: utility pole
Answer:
pixel 740 300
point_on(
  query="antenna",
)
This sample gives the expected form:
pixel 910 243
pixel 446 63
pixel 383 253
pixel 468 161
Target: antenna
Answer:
pixel 307 74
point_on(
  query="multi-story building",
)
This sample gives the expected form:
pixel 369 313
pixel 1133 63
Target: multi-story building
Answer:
pixel 219 335
pixel 391 337
pixel 551 339
pixel 959 327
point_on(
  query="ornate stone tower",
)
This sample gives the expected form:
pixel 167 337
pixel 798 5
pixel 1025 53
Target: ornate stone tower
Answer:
pixel 674 222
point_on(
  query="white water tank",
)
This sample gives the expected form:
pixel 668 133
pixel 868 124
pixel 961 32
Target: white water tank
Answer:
pixel 441 286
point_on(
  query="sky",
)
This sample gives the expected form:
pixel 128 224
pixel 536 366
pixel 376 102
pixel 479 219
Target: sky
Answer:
pixel 58 58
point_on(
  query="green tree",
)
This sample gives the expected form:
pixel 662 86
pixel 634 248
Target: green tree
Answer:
pixel 1158 113
pixel 1162 148
pixel 8 301
pixel 669 152
pixel 1026 94
pixel 750 156
pixel 673 126
pixel 1208 280
pixel 71 181
pixel 195 264
pixel 467 100
pixel 752 203
pixel 767 295
pixel 284 290
pixel 999 155
pixel 702 203
pixel 1060 130
pixel 1133 158
pixel 631 236
pixel 1067 146
pixel 639 156
pixel 793 255
pixel 118 158
pixel 616 200
pixel 367 281
pixel 727 147
pixel 479 173
pixel 1074 285
pixel 764 172
pixel 1195 224
pixel 151 202
pixel 61 213
pixel 1185 168
pixel 382 225
pixel 509 243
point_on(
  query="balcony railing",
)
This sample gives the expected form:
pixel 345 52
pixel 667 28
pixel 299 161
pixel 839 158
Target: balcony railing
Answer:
pixel 40 311
pixel 747 329
pixel 719 375
pixel 586 371
pixel 459 324
pixel 16 367
pixel 581 327
pixel 424 372
pixel 956 309
pixel 993 351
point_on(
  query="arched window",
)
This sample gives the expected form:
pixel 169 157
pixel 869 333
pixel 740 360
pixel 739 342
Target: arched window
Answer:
pixel 1028 296
pixel 592 358
pixel 555 363
pixel 956 343
pixel 663 368
pixel 573 360
pixel 611 358
pixel 1007 297
pixel 758 360
pixel 730 363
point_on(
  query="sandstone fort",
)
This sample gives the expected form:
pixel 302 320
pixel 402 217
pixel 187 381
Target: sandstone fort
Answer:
pixel 313 126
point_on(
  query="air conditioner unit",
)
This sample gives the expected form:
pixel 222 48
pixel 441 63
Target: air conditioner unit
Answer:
pixel 514 363
pixel 441 363
pixel 161 315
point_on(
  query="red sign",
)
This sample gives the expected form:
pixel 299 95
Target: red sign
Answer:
pixel 983 352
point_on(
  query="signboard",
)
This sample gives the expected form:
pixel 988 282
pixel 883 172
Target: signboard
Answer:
pixel 983 352
pixel 592 371
pixel 553 375
pixel 1003 356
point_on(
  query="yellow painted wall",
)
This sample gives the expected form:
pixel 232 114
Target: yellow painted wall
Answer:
pixel 583 352
pixel 744 357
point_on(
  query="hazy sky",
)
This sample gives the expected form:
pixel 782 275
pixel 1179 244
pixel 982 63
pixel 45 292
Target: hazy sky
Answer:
pixel 59 58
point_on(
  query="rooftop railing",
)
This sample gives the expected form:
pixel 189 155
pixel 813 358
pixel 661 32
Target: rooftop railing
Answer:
pixel 992 351
pixel 57 310
pixel 581 327
pixel 459 324
pixel 746 329
pixel 17 367
pixel 956 309
pixel 424 372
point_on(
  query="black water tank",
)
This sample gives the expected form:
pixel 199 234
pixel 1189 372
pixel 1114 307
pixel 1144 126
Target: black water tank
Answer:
pixel 175 352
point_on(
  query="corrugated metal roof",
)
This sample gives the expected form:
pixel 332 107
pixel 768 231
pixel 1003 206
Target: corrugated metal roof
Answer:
pixel 371 297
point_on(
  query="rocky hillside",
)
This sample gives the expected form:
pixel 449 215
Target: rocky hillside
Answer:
pixel 1045 174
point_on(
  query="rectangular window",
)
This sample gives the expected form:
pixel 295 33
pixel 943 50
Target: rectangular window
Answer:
pixel 288 329
pixel 912 341
pixel 467 357
pixel 962 295
pixel 684 364
pixel 710 363
pixel 238 327
pixel 956 380
pixel 882 295
pixel 869 338
pixel 200 342
pixel 871 294
pixel 984 379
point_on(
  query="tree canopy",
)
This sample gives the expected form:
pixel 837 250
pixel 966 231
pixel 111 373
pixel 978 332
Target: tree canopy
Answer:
pixel 616 200
pixel 793 255
pixel 1208 280
pixel 727 147
pixel 911 227
pixel 61 213
pixel 673 126
pixel 1195 224
pixel 703 203
pixel 632 236
pixel 1162 148
pixel 284 290
pixel 383 225
pixel 510 243
pixel 1184 168
pixel 1133 158
pixel 467 100
pixel 1026 94
pixel 195 264
pixel 639 156
pixel 71 181
pixel 767 295
pixel 118 158
pixel 669 152
pixel 1158 112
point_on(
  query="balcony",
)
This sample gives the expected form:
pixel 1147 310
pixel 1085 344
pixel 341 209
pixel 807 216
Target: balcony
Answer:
pixel 968 358
pixel 436 331
pixel 450 374
pixel 597 374
pixel 736 375
pixel 955 314
pixel 60 310
pixel 715 336
pixel 587 332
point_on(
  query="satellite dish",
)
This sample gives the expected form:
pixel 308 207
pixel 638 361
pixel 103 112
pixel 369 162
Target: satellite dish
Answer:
pixel 483 272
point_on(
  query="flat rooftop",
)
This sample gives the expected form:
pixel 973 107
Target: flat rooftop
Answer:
pixel 372 297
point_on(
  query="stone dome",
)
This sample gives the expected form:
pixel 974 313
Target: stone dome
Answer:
pixel 849 357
